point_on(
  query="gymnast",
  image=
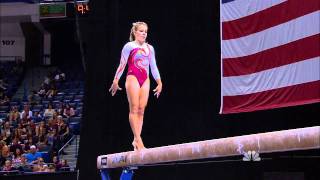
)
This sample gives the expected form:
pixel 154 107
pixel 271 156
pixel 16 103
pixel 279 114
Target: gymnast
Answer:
pixel 139 55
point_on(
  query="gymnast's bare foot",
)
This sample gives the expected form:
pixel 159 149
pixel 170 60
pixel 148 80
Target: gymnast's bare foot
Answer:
pixel 135 145
pixel 140 144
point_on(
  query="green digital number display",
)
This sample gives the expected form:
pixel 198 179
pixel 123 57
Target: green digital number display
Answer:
pixel 52 10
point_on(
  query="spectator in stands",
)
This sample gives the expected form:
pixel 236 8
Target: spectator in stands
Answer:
pixel 59 120
pixel 14 114
pixel 19 129
pixel 49 112
pixel 2 144
pixel 8 166
pixel 52 137
pixel 29 142
pixel 64 132
pixel 64 165
pixel 32 157
pixel 52 91
pixel 56 162
pixel 13 123
pixel 16 135
pixel 6 132
pixel 40 166
pixel 51 168
pixel 5 101
pixel 68 111
pixel 59 76
pixel 34 98
pixel 26 111
pixel 60 109
pixel 41 129
pixel 31 128
pixel 23 166
pixel 37 117
pixel 25 121
pixel 55 116
pixel 17 156
pixel 42 91
pixel 23 134
pixel 15 145
pixel 43 143
pixel 5 155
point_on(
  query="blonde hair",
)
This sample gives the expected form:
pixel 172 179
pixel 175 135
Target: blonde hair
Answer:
pixel 134 28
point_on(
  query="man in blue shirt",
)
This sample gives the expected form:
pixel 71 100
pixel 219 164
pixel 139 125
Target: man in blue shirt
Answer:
pixel 32 157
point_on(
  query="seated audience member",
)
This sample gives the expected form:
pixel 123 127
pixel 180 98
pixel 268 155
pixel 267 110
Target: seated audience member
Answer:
pixel 17 156
pixel 34 98
pixel 64 132
pixel 43 143
pixel 8 166
pixel 60 109
pixel 52 91
pixel 51 168
pixel 5 155
pixel 16 135
pixel 68 111
pixel 23 134
pixel 6 132
pixel 42 91
pixel 52 124
pixel 64 165
pixel 25 121
pixel 26 112
pixel 23 166
pixel 33 155
pixel 28 143
pixel 15 145
pixel 5 101
pixel 37 117
pixel 14 114
pixel 41 129
pixel 40 166
pixel 52 137
pixel 59 76
pixel 49 112
pixel 56 162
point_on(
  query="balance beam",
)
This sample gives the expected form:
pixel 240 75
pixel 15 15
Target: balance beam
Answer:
pixel 277 141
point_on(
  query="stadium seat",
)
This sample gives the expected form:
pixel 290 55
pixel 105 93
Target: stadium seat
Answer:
pixel 4 108
pixel 75 127
pixel 74 119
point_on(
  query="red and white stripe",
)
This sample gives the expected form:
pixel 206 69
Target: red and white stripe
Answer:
pixel 270 53
pixel 237 9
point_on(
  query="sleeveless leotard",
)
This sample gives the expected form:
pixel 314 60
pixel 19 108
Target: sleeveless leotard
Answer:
pixel 138 62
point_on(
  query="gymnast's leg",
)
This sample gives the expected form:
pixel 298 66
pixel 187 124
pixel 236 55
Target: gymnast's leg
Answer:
pixel 133 92
pixel 143 100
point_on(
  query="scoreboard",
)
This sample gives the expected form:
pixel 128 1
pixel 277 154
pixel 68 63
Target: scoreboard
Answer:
pixel 63 8
pixel 52 10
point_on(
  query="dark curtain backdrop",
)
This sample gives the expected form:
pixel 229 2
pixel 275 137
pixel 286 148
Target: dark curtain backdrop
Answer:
pixel 185 35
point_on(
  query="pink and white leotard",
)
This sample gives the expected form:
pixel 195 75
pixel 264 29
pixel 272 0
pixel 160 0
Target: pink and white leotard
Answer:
pixel 138 62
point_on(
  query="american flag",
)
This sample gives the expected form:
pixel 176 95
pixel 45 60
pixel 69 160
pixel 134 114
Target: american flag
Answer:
pixel 270 54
